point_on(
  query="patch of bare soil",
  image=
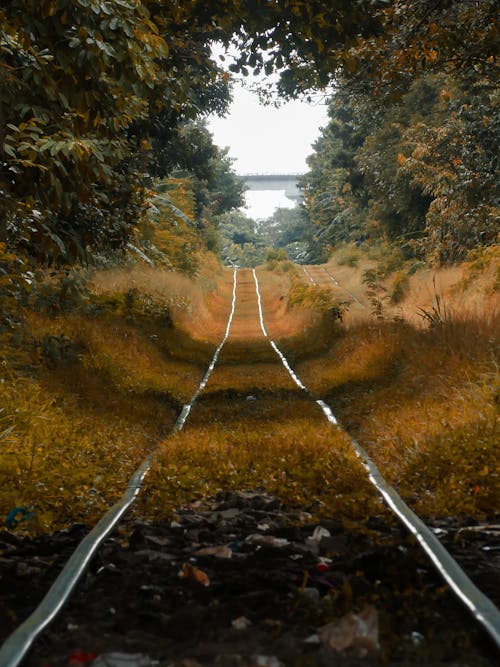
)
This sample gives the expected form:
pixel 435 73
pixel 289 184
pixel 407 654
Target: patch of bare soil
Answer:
pixel 242 581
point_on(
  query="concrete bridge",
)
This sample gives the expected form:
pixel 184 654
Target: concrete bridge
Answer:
pixel 286 182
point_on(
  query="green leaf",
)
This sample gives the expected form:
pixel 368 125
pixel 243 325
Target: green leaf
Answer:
pixel 9 150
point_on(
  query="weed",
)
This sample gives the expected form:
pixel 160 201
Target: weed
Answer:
pixel 389 258
pixel 438 313
pixel 425 405
pixel 400 287
pixel 481 261
pixel 375 291
pixel 277 445
pixel 277 260
pixel 276 254
pixel 319 299
pixel 348 254
pixel 414 267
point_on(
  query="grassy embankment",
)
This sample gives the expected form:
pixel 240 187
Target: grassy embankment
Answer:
pixel 92 377
pixel 420 385
pixel 419 392
pixel 101 380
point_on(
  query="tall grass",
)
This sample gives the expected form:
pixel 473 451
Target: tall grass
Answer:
pixel 90 383
pixel 425 404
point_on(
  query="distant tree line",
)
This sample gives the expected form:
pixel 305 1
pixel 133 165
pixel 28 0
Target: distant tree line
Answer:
pixel 98 97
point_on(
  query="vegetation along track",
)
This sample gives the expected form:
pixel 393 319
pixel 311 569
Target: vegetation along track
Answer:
pixel 320 276
pixel 293 399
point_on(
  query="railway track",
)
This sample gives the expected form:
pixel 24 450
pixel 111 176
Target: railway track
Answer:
pixel 321 276
pixel 482 609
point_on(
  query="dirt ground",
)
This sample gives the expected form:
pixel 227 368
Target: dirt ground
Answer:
pixel 240 580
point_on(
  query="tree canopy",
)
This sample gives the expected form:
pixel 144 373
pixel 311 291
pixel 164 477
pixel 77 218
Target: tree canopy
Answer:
pixel 95 96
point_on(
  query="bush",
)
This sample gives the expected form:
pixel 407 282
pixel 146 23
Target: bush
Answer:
pixel 389 258
pixel 276 254
pixel 415 266
pixel 348 255
pixel 315 298
pixel 399 287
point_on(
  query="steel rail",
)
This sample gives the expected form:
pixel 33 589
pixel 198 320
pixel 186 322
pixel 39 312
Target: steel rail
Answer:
pixel 19 642
pixel 311 279
pixel 337 284
pixel 481 607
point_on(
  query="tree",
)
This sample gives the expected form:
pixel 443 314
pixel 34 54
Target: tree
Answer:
pixel 73 76
pixel 240 240
pixel 418 171
pixel 95 93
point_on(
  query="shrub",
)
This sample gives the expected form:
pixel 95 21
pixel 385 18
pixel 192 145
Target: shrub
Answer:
pixel 348 255
pixel 389 258
pixel 400 287
pixel 318 299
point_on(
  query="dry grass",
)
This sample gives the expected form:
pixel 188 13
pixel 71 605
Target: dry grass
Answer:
pixel 281 321
pixel 425 404
pixel 94 383
pixel 197 305
pixel 252 378
pixel 103 382
pixel 281 445
pixel 472 287
pixel 59 457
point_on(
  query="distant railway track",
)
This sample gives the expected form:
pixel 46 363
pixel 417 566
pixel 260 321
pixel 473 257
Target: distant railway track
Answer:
pixel 319 275
pixel 482 609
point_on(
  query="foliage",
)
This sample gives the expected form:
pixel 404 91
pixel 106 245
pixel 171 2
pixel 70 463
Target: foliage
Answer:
pixel 241 242
pixel 400 286
pixel 15 284
pixel 455 37
pixel 168 234
pixel 418 171
pixel 348 254
pixel 389 258
pixel 74 75
pixel 288 228
pixel 316 298
pixel 92 377
pixel 375 291
pixel 95 96
pixel 58 461
pixel 192 154
pixel 482 260
pixel 277 260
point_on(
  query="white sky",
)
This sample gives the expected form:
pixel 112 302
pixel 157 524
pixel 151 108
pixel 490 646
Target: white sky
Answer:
pixel 266 139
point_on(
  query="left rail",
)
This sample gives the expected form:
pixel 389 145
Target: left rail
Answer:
pixel 19 642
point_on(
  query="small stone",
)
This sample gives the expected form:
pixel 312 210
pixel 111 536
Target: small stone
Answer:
pixel 241 623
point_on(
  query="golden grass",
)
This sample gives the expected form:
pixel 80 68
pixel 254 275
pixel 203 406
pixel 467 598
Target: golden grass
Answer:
pixel 198 305
pixel 472 287
pixel 280 445
pixel 122 356
pixel 87 393
pixel 425 404
pixel 254 377
pixel 282 322
pixel 60 458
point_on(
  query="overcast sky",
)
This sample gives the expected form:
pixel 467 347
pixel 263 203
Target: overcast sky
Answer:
pixel 266 139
